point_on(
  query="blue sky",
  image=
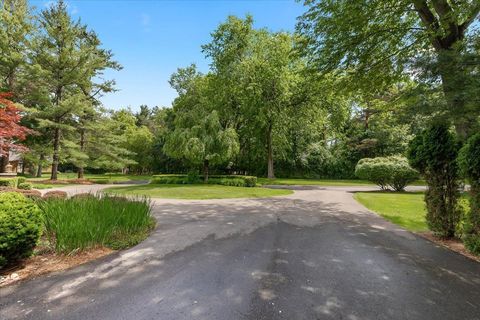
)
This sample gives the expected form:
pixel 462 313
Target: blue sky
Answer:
pixel 151 39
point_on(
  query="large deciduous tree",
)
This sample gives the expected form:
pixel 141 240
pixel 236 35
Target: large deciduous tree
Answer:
pixel 256 73
pixel 199 136
pixel 11 132
pixel 381 41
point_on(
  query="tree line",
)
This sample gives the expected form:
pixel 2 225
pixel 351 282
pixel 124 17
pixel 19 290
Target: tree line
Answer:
pixel 356 79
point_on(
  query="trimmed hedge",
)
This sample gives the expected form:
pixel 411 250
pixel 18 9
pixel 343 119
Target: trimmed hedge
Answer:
pixel 226 180
pixel 434 153
pixel 469 161
pixel 20 227
pixel 394 172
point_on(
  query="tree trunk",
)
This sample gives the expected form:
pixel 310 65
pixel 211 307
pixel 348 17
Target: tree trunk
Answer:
pixel 270 170
pixel 451 67
pixel 56 156
pixel 4 160
pixel 81 172
pixel 39 169
pixel 205 171
pixel 82 149
pixel 454 79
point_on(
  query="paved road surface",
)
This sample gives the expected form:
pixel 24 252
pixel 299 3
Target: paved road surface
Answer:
pixel 316 254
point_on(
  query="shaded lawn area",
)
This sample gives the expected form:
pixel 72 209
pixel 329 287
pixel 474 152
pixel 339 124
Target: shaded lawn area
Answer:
pixel 197 191
pixel 406 209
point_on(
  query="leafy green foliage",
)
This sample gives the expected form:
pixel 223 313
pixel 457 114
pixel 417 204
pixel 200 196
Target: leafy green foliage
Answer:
pixel 66 59
pixel 376 42
pixel 20 227
pixel 436 155
pixel 199 137
pixel 86 222
pixel 386 171
pixel 469 161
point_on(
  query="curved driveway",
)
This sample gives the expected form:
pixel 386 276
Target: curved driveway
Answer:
pixel 316 254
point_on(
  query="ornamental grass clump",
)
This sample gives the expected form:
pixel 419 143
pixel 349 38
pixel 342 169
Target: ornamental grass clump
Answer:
pixel 85 222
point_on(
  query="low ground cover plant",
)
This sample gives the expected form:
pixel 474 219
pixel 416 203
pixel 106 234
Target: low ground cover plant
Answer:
pixel 20 227
pixel 85 222
pixel 226 180
pixel 387 172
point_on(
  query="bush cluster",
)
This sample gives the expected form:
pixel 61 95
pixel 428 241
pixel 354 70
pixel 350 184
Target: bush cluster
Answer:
pixel 20 227
pixel 393 172
pixel 226 180
pixel 434 153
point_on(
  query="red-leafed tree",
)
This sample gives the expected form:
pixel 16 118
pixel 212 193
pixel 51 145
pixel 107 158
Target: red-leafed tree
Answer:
pixel 11 132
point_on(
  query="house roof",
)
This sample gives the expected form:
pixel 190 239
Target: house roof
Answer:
pixel 13 156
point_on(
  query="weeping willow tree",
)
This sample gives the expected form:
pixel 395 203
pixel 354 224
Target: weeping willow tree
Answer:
pixel 199 136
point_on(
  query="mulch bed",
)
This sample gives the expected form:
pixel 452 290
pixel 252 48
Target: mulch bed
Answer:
pixel 48 262
pixel 65 181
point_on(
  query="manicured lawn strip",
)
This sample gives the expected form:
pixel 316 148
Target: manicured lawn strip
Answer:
pixel 198 191
pixel 406 209
pixel 313 182
pixel 323 182
pixel 48 185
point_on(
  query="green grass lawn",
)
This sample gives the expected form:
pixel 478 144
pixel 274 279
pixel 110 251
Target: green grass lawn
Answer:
pixel 48 185
pixel 406 209
pixel 197 191
pixel 313 182
pixel 323 182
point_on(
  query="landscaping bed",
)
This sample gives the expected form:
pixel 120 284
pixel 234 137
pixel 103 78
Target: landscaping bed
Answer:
pixel 52 233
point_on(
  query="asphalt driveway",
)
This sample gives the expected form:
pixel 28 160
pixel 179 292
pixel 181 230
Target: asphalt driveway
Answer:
pixel 316 254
